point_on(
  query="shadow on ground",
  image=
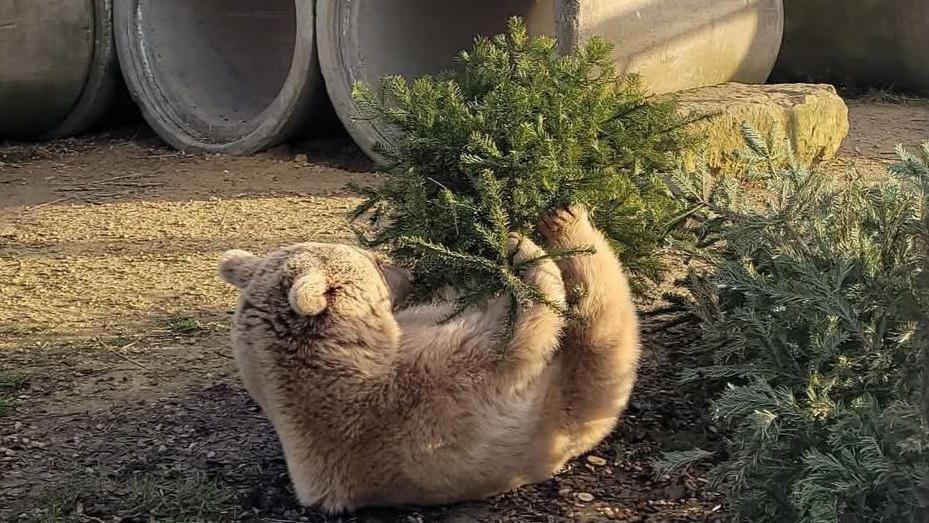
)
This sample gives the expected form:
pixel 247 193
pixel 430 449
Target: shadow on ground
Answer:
pixel 206 453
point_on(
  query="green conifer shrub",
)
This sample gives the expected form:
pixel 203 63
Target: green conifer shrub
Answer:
pixel 814 334
pixel 518 130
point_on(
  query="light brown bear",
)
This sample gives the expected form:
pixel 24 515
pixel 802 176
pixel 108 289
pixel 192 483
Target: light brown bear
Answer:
pixel 377 407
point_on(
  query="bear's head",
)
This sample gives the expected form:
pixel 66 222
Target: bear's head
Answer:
pixel 307 313
pixel 309 279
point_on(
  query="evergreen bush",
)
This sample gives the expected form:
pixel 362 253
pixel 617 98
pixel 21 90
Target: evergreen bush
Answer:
pixel 518 130
pixel 814 314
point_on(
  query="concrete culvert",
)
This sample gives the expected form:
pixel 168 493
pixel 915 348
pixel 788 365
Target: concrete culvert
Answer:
pixel 58 70
pixel 674 44
pixel 682 44
pixel 860 43
pixel 369 39
pixel 226 76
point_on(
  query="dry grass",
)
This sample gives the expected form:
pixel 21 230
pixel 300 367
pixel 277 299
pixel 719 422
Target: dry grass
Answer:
pixel 147 497
pixel 10 383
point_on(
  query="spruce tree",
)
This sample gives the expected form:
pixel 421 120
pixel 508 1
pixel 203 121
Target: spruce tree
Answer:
pixel 518 130
pixel 813 312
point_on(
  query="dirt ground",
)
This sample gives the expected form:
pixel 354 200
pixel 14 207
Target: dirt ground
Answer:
pixel 118 395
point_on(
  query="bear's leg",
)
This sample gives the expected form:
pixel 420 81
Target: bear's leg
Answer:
pixel 601 349
pixel 537 327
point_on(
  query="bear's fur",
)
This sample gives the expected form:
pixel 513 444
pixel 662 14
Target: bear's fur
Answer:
pixel 377 407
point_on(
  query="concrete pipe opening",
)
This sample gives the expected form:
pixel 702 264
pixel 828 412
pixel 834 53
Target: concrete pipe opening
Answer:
pixel 673 44
pixel 363 41
pixel 856 43
pixel 228 76
pixel 58 70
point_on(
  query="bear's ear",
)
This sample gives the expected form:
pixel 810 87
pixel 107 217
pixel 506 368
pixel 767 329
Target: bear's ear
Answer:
pixel 237 267
pixel 308 294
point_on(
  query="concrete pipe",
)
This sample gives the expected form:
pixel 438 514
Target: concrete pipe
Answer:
pixel 857 43
pixel 58 68
pixel 681 44
pixel 222 76
pixel 369 39
pixel 673 44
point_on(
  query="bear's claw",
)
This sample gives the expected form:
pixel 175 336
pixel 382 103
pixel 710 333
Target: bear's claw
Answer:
pixel 556 222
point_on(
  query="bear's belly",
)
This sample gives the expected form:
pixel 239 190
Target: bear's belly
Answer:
pixel 510 442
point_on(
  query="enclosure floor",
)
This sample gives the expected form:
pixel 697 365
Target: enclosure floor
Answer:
pixel 111 309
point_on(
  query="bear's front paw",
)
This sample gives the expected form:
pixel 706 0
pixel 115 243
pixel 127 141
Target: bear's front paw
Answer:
pixel 542 272
pixel 562 221
pixel 522 249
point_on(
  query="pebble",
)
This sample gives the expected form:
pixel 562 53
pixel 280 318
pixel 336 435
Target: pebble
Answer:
pixel 596 461
pixel 302 159
pixel 586 497
pixel 565 492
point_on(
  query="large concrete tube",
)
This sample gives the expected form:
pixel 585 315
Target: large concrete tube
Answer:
pixel 222 76
pixel 857 43
pixel 58 68
pixel 369 39
pixel 681 44
pixel 673 44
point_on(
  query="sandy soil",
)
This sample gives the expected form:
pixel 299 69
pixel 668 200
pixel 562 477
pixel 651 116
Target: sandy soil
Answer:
pixel 121 400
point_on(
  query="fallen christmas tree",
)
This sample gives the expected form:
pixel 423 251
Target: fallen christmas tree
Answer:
pixel 814 309
pixel 519 130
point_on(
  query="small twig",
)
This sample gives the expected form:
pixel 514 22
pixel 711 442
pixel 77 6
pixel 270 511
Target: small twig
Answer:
pixel 316 232
pixel 130 360
pixel 159 155
pixel 132 184
pixel 680 320
pixel 128 186
pixel 664 310
pixel 117 352
pixel 107 195
pixel 143 185
pixel 106 180
pixel 53 202
pixel 62 414
pixel 130 344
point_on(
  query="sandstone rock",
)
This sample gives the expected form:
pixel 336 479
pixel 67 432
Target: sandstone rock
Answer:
pixel 812 116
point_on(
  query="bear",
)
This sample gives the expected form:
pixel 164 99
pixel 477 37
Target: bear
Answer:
pixel 379 405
